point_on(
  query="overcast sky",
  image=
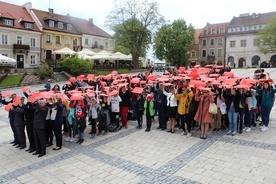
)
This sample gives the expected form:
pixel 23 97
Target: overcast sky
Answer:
pixel 196 12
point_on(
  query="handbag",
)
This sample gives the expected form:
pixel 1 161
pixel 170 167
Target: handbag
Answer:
pixel 213 109
pixel 223 108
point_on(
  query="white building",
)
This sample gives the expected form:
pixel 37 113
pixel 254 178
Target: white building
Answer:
pixel 241 48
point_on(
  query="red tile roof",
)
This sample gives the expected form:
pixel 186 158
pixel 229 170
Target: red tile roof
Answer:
pixel 254 19
pixel 16 13
pixel 44 16
pixel 87 27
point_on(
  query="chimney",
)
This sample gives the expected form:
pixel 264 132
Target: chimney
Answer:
pixel 91 21
pixel 51 11
pixel 28 6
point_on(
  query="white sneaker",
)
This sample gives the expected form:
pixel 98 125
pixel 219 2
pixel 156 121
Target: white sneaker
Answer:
pixel 183 133
pixel 244 130
pixel 261 127
pixel 72 139
pixel 67 139
pixel 264 129
pixel 248 129
pixel 189 134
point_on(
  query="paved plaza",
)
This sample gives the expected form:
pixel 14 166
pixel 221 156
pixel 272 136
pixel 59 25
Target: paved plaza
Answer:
pixel 133 156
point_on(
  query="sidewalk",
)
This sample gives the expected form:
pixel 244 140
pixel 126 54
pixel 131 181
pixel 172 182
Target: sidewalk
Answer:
pixel 134 156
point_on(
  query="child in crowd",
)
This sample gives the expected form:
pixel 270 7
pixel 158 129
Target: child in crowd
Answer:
pixel 149 111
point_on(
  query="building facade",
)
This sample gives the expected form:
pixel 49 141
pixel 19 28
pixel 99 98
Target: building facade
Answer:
pixel 241 45
pixel 194 47
pixel 212 43
pixel 19 36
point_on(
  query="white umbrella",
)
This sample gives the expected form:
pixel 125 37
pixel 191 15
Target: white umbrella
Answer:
pixel 118 56
pixel 4 60
pixel 102 55
pixel 84 56
pixel 87 52
pixel 65 50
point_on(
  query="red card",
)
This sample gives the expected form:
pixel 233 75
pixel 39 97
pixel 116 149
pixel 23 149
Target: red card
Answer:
pixel 24 89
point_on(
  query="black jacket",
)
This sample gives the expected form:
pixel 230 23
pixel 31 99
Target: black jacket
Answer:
pixel 19 119
pixel 39 116
pixel 229 98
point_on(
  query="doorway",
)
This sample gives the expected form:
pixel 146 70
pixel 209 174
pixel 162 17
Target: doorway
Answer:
pixel 20 61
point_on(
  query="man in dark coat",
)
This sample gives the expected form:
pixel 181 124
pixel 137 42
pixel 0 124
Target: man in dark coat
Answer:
pixel 39 127
pixel 161 103
pixel 19 124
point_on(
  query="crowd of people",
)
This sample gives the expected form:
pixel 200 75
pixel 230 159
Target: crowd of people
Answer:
pixel 106 103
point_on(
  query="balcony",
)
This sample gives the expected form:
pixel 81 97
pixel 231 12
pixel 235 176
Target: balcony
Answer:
pixel 21 47
pixel 211 57
pixel 96 46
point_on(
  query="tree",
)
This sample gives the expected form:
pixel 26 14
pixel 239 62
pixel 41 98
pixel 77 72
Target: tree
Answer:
pixel 134 22
pixel 75 65
pixel 172 40
pixel 266 40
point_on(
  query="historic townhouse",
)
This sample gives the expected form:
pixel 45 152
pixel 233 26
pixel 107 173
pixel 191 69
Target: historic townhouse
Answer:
pixel 212 43
pixel 19 36
pixel 193 48
pixel 92 36
pixel 241 46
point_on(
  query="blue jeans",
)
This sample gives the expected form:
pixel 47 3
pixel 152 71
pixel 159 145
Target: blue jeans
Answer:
pixel 81 134
pixel 265 113
pixel 232 117
pixel 133 107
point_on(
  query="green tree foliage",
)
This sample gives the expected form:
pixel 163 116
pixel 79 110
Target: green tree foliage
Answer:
pixel 266 39
pixel 172 40
pixel 75 65
pixel 45 71
pixel 133 22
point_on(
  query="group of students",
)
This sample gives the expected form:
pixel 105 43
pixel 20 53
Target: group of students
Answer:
pixel 176 102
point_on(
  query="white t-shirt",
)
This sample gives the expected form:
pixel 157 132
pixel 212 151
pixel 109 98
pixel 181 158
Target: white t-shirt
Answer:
pixel 115 103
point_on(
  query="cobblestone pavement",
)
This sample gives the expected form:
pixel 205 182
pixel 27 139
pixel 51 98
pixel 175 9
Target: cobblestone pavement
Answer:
pixel 134 156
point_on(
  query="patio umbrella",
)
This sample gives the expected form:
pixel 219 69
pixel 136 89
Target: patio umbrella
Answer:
pixel 118 56
pixel 102 55
pixel 65 50
pixel 4 60
pixel 86 52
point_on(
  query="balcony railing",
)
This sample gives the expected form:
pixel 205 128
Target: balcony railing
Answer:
pixel 96 46
pixel 211 57
pixel 21 47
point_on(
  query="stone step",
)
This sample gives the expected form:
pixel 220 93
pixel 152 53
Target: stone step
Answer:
pixel 59 76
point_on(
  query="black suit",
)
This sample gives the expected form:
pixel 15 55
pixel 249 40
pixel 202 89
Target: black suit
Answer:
pixel 11 117
pixel 29 116
pixel 39 128
pixel 19 124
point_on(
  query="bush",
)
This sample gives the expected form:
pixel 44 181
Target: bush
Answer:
pixel 44 71
pixel 75 65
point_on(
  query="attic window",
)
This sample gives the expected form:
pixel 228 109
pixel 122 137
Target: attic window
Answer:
pixel 29 25
pixel 51 23
pixel 8 22
pixel 60 25
pixel 69 27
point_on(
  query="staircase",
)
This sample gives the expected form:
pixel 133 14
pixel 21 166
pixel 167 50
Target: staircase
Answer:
pixel 60 76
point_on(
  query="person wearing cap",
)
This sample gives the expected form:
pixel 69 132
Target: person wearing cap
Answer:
pixel 202 115
pixel 15 142
pixel 184 101
pixel 149 111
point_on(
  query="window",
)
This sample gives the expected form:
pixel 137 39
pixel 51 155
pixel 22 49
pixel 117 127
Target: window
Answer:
pixel 219 52
pixel 193 54
pixel 221 30
pixel 212 52
pixel 203 42
pixel 8 22
pixel 32 42
pixel 48 38
pixel 213 31
pixel 232 30
pixel 75 41
pixel 86 41
pixel 4 40
pixel 106 44
pixel 51 23
pixel 245 28
pixel 220 41
pixel 203 53
pixel 29 25
pixel 212 42
pixel 67 40
pixel 69 27
pixel 255 27
pixel 243 43
pixel 236 30
pixel 33 58
pixel 240 29
pixel 57 39
pixel 255 42
pixel 5 55
pixel 232 43
pixel 60 25
pixel 204 32
pixel 19 40
pixel 260 26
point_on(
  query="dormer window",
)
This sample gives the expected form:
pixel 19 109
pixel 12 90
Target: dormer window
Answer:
pixel 51 23
pixel 8 22
pixel 60 25
pixel 29 25
pixel 69 27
